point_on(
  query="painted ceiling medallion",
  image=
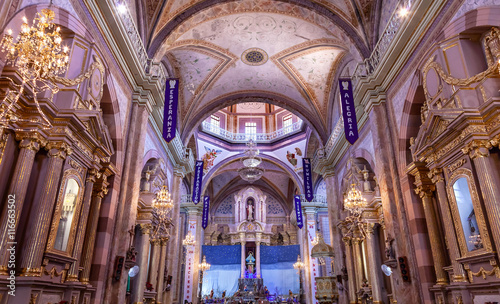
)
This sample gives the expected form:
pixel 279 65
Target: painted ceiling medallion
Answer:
pixel 254 56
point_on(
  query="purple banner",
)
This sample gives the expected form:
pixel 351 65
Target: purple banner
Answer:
pixel 308 184
pixel 348 110
pixel 298 211
pixel 170 109
pixel 206 206
pixel 198 176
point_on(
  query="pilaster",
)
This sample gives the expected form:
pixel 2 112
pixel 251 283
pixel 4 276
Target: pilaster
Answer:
pixel 139 284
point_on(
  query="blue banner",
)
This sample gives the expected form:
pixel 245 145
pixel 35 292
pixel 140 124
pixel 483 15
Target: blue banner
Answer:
pixel 308 184
pixel 348 110
pixel 206 207
pixel 198 176
pixel 298 211
pixel 170 109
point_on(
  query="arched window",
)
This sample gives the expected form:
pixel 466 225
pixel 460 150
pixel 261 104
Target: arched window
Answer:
pixel 467 214
pixel 65 220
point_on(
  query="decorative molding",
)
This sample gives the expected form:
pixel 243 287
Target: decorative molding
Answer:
pixel 484 273
pixel 454 166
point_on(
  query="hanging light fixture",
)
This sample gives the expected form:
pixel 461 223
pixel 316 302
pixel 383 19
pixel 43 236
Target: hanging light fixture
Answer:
pixel 354 201
pixel 251 171
pixel 189 240
pixel 162 219
pixel 39 57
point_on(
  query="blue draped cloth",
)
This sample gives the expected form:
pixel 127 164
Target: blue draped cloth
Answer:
pixel 276 263
pixel 225 261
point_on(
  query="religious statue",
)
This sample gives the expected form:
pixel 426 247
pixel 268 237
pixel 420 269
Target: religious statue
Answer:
pixel 250 209
pixel 250 262
pixel 389 251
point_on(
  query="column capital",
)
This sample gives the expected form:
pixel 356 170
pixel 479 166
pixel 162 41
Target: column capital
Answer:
pixel 425 190
pixel 92 175
pixel 155 242
pixel 163 241
pixel 436 175
pixel 145 228
pixel 179 171
pixel 370 228
pixel 477 148
pixel 31 140
pixel 58 149
pixel 329 172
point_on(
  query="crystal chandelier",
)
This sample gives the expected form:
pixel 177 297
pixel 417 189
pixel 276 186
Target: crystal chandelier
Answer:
pixel 188 240
pixel 204 266
pixel 251 171
pixel 355 202
pixel 162 219
pixel 39 57
pixel 299 264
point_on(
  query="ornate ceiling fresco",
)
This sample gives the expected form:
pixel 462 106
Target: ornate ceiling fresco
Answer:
pixel 286 53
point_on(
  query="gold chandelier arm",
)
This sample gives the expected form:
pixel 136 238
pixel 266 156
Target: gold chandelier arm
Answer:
pixel 97 64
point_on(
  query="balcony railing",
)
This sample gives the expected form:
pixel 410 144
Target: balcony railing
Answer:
pixel 258 137
pixel 318 199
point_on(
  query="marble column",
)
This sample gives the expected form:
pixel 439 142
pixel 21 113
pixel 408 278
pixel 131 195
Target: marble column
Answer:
pixel 142 245
pixel 154 262
pixel 374 270
pixel 351 277
pixel 243 264
pixel 174 247
pixel 128 193
pixel 31 259
pixel 92 175
pixel 310 212
pixel 29 146
pixel 161 270
pixel 90 233
pixel 490 190
pixel 437 178
pixel 193 258
pixel 391 196
pixel 257 257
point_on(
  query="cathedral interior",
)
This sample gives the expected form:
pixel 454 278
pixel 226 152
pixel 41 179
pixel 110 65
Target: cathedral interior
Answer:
pixel 249 151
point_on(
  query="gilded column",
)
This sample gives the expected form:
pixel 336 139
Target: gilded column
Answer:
pixel 424 189
pixel 29 146
pixel 92 176
pixel 31 260
pixel 358 261
pixel 490 190
pixel 351 277
pixel 161 270
pixel 88 247
pixel 257 257
pixel 174 244
pixel 154 262
pixel 374 269
pixel 459 274
pixel 137 292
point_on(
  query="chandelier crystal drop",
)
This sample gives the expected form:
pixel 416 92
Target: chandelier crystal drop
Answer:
pixel 39 56
pixel 251 171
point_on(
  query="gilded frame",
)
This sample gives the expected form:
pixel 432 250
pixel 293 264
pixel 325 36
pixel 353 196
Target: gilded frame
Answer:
pixel 68 174
pixel 485 237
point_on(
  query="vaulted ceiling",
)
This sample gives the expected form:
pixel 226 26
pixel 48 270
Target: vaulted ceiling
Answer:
pixel 283 52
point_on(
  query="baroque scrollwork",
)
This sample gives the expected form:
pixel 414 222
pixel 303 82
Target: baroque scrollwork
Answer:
pixel 491 46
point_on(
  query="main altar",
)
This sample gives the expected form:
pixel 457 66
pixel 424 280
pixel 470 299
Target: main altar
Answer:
pixel 253 229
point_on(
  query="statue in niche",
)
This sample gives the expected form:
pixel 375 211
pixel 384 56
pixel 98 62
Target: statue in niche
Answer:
pixel 250 262
pixel 389 250
pixel 250 209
